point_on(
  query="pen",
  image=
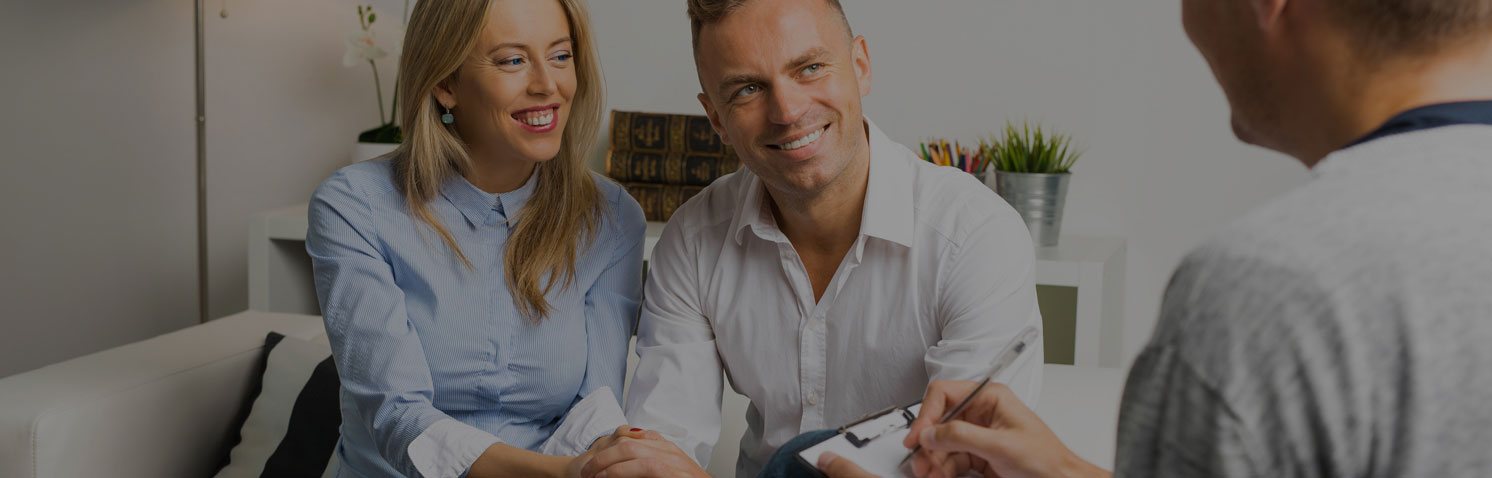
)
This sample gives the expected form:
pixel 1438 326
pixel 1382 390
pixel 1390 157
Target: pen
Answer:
pixel 1012 351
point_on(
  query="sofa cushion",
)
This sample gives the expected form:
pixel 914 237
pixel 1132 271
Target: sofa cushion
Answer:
pixel 291 429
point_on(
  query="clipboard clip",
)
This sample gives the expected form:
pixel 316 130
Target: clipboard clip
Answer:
pixel 860 438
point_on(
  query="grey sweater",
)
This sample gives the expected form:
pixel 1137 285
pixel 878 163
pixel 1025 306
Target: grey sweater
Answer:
pixel 1343 330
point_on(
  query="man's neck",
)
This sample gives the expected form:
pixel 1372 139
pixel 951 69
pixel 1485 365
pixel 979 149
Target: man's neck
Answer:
pixel 830 220
pixel 1458 75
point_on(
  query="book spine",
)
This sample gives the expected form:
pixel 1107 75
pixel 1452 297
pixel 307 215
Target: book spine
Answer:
pixel 659 201
pixel 669 168
pixel 665 133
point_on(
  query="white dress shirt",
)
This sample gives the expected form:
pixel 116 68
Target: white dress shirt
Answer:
pixel 939 279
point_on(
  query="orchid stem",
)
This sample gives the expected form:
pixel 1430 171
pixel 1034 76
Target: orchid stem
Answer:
pixel 378 88
pixel 394 116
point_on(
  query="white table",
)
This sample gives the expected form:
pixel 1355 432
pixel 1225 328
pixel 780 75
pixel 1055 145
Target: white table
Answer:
pixel 280 278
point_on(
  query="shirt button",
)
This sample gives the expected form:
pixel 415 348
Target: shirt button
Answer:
pixel 813 399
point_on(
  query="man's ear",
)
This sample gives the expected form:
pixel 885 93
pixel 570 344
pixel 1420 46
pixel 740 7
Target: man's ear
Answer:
pixel 861 52
pixel 704 100
pixel 1268 13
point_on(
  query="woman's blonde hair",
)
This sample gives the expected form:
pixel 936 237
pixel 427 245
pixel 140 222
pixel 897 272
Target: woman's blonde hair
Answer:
pixel 565 212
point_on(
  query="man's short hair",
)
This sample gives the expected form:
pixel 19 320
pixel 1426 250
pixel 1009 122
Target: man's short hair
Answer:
pixel 1389 28
pixel 707 12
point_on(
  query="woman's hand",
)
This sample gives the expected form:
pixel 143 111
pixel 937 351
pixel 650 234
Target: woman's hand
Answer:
pixel 573 469
pixel 501 461
pixel 634 452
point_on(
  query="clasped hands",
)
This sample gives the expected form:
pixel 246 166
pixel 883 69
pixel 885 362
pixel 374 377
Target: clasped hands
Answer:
pixel 996 435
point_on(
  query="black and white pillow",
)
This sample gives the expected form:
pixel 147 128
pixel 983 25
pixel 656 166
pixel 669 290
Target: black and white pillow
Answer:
pixel 291 428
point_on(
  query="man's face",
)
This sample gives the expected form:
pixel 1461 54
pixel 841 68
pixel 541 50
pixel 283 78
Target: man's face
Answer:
pixel 1227 35
pixel 782 83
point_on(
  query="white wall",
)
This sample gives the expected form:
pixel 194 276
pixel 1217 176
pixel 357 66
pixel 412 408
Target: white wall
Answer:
pixel 114 213
pixel 1162 168
pixel 97 193
pixel 283 113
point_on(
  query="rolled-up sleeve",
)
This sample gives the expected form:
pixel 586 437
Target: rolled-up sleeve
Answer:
pixel 677 387
pixel 378 354
pixel 987 297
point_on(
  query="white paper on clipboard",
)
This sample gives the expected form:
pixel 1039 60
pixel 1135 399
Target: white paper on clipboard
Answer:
pixel 880 455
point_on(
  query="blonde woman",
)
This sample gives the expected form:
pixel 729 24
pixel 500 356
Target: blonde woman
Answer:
pixel 480 282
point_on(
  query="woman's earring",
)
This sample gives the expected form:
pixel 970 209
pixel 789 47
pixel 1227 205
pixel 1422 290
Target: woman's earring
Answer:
pixel 447 117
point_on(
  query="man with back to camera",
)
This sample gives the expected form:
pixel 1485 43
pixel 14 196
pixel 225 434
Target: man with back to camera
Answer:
pixel 1341 330
pixel 834 276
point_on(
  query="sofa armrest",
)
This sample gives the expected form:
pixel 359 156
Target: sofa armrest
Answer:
pixel 159 407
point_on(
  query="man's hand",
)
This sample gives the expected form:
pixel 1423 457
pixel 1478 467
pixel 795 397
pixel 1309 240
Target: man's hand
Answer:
pixel 633 452
pixel 996 434
pixel 835 467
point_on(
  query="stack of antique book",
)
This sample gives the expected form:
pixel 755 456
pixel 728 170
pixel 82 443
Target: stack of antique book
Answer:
pixel 665 159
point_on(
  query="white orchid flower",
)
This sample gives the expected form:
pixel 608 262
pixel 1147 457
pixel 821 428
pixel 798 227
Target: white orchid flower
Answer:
pixel 362 47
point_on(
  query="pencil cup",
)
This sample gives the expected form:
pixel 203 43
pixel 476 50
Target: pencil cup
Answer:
pixel 1039 198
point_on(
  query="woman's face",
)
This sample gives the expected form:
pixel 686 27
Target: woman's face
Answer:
pixel 511 98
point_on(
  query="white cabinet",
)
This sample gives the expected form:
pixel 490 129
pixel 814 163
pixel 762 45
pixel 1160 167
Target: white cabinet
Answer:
pixel 1095 266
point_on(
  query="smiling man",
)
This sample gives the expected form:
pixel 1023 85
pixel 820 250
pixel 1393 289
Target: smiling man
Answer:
pixel 835 275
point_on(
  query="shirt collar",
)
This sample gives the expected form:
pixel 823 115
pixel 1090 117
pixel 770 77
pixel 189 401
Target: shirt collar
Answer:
pixel 1432 116
pixel 754 214
pixel 887 213
pixel 485 209
pixel 888 196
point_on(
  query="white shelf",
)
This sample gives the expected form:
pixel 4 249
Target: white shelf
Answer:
pixel 280 278
pixel 655 231
pixel 1095 266
pixel 1065 263
pixel 287 223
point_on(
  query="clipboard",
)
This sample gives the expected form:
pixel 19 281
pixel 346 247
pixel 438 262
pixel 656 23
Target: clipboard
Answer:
pixel 874 442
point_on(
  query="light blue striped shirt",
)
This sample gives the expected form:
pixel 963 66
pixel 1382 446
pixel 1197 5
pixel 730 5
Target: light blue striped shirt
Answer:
pixel 430 351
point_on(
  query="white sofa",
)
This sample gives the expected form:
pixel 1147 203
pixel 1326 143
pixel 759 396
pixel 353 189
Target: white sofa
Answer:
pixel 163 407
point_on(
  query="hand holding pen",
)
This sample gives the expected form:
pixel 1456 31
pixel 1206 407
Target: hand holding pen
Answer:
pixel 984 427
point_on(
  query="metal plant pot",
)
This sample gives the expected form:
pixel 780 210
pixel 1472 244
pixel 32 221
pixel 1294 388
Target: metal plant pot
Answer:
pixel 1039 199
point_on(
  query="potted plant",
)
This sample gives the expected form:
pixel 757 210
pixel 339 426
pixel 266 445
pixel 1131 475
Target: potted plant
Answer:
pixel 1031 171
pixel 363 47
